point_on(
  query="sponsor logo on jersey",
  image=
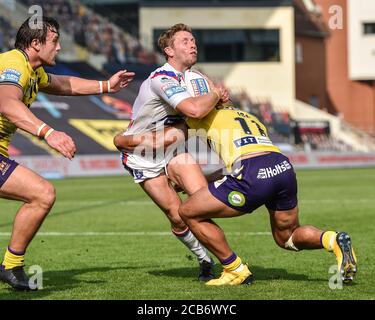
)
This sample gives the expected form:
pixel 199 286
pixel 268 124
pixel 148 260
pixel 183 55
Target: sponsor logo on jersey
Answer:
pixel 265 173
pixel 199 87
pixel 252 140
pixel 236 199
pixel 171 91
pixel 10 75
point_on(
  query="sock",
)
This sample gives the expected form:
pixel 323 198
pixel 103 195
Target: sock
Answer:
pixel 328 239
pixel 13 259
pixel 232 263
pixel 190 241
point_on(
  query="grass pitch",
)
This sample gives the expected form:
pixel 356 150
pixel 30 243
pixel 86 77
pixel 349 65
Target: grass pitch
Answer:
pixel 104 239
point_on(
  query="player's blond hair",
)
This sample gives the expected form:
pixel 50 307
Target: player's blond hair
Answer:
pixel 167 37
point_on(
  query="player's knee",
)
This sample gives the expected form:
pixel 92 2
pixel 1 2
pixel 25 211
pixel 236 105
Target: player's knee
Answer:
pixel 183 212
pixel 46 196
pixel 284 239
pixel 174 217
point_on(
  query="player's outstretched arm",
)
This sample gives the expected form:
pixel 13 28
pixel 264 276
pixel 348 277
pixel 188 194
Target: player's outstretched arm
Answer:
pixel 151 140
pixel 74 86
pixel 12 107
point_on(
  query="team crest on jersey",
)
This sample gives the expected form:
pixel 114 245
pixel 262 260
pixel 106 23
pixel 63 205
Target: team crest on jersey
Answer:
pixel 10 75
pixel 138 174
pixel 236 199
pixel 4 166
pixel 199 87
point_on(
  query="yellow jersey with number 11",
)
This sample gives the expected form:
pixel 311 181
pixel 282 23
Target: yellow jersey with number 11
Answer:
pixel 232 133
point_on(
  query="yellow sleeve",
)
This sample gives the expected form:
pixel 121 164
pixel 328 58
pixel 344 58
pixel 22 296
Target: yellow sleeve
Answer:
pixel 13 72
pixel 44 78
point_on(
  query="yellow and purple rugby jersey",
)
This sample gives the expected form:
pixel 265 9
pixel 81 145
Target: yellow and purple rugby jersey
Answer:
pixel 16 70
pixel 232 133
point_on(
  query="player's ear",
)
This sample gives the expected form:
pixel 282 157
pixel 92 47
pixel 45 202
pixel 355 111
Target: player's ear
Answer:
pixel 35 44
pixel 169 51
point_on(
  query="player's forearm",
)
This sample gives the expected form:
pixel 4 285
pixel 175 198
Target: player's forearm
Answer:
pixel 202 105
pixel 78 87
pixel 17 113
pixel 207 102
pixel 152 140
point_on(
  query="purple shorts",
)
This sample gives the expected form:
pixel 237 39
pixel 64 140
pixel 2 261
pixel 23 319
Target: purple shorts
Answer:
pixel 264 180
pixel 7 166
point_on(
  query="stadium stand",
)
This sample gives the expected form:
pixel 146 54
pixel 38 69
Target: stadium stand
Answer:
pixel 96 33
pixel 7 35
pixel 100 36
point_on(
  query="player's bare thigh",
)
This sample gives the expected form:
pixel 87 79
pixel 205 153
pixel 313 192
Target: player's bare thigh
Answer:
pixel 203 205
pixel 165 197
pixel 25 185
pixel 185 172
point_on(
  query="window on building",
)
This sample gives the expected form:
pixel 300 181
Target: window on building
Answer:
pixel 369 28
pixel 235 45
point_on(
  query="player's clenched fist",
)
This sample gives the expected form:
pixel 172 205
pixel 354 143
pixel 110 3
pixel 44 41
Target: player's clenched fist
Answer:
pixel 62 143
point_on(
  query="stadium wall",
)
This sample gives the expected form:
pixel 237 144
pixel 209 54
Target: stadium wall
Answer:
pixel 272 80
pixel 110 165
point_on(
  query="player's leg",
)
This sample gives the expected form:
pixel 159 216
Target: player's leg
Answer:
pixel 166 198
pixel 186 173
pixel 38 196
pixel 288 234
pixel 197 212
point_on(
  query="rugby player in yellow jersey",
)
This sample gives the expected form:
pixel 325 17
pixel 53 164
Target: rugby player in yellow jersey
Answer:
pixel 259 175
pixel 21 77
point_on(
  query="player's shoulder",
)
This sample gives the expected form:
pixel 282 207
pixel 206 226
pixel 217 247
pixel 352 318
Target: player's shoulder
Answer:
pixel 13 57
pixel 164 74
pixel 12 66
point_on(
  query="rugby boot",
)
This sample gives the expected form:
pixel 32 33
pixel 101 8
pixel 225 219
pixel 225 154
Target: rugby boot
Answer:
pixel 16 278
pixel 233 278
pixel 206 271
pixel 345 256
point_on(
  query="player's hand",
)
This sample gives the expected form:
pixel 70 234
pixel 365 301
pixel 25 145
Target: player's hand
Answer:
pixel 121 80
pixel 224 95
pixel 62 143
pixel 221 91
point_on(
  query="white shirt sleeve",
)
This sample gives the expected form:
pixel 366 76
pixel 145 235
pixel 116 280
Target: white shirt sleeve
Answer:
pixel 169 89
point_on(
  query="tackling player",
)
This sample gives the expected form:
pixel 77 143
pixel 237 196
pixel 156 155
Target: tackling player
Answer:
pixel 21 77
pixel 259 175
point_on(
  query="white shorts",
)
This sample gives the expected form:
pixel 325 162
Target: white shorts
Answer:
pixel 142 168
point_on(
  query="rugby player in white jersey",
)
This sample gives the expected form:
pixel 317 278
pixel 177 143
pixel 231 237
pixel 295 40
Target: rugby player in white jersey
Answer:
pixel 163 101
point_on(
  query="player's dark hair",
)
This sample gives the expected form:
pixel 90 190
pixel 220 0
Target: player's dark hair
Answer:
pixel 30 31
pixel 166 38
